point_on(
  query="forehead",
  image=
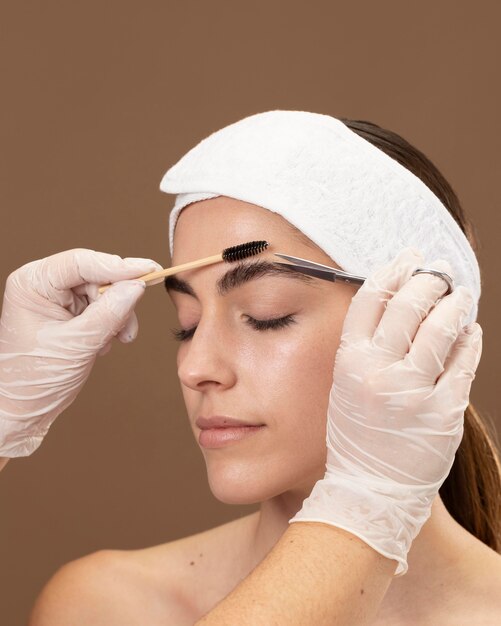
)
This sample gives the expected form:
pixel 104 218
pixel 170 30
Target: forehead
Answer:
pixel 207 227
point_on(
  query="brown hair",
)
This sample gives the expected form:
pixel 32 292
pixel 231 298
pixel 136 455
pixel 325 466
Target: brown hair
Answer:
pixel 472 490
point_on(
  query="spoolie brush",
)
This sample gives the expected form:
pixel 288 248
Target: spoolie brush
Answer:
pixel 229 255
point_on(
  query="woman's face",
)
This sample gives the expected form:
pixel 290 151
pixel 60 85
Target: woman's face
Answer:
pixel 280 377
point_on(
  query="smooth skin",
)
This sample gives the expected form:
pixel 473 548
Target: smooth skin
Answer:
pixel 297 574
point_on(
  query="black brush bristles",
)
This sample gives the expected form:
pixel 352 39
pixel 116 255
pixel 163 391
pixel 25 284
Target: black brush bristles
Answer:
pixel 244 250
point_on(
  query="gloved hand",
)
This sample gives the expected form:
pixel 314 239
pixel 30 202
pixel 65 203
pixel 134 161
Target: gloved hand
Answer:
pixel 401 382
pixel 54 323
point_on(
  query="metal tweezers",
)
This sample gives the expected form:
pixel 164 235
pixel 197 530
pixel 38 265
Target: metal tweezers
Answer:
pixel 330 273
pixel 320 271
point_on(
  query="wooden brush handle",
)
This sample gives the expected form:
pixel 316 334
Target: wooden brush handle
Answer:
pixel 154 278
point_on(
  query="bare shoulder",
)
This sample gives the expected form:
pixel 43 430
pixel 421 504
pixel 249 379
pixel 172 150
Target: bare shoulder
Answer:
pixel 107 587
pixel 152 585
pixel 477 600
pixel 206 561
pixel 486 588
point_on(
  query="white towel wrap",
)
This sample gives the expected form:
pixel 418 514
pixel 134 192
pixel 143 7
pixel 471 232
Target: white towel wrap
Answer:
pixel 350 198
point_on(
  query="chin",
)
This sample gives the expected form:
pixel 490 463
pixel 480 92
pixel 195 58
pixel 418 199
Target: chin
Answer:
pixel 238 485
pixel 243 484
pixel 228 496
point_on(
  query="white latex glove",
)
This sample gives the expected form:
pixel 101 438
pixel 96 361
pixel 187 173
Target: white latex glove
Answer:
pixel 401 382
pixel 54 323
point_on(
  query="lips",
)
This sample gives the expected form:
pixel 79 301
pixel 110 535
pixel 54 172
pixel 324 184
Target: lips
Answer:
pixel 221 421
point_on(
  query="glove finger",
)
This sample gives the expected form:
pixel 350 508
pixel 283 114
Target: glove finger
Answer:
pixel 369 303
pixel 90 290
pixel 105 317
pixel 460 367
pixel 105 349
pixel 406 310
pixel 130 330
pixel 438 333
pixel 54 275
pixel 78 305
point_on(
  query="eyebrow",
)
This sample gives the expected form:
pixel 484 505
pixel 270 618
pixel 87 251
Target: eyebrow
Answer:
pixel 238 275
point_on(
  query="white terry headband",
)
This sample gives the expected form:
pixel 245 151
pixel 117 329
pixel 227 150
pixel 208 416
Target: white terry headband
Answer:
pixel 351 199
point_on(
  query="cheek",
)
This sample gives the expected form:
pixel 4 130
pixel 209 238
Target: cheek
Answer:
pixel 295 374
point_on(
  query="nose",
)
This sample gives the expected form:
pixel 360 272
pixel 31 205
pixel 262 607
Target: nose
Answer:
pixel 207 360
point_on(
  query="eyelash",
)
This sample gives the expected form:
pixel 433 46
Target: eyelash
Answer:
pixel 273 324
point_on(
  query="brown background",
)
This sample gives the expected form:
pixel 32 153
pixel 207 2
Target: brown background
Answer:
pixel 98 99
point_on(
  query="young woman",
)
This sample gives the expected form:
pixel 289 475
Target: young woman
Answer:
pixel 277 375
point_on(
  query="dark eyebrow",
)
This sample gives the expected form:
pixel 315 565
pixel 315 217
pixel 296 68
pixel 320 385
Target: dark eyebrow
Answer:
pixel 238 275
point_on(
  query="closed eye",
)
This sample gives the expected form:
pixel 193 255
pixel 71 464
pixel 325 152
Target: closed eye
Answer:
pixel 181 334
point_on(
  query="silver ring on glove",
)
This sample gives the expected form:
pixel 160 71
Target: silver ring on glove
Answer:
pixel 448 279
